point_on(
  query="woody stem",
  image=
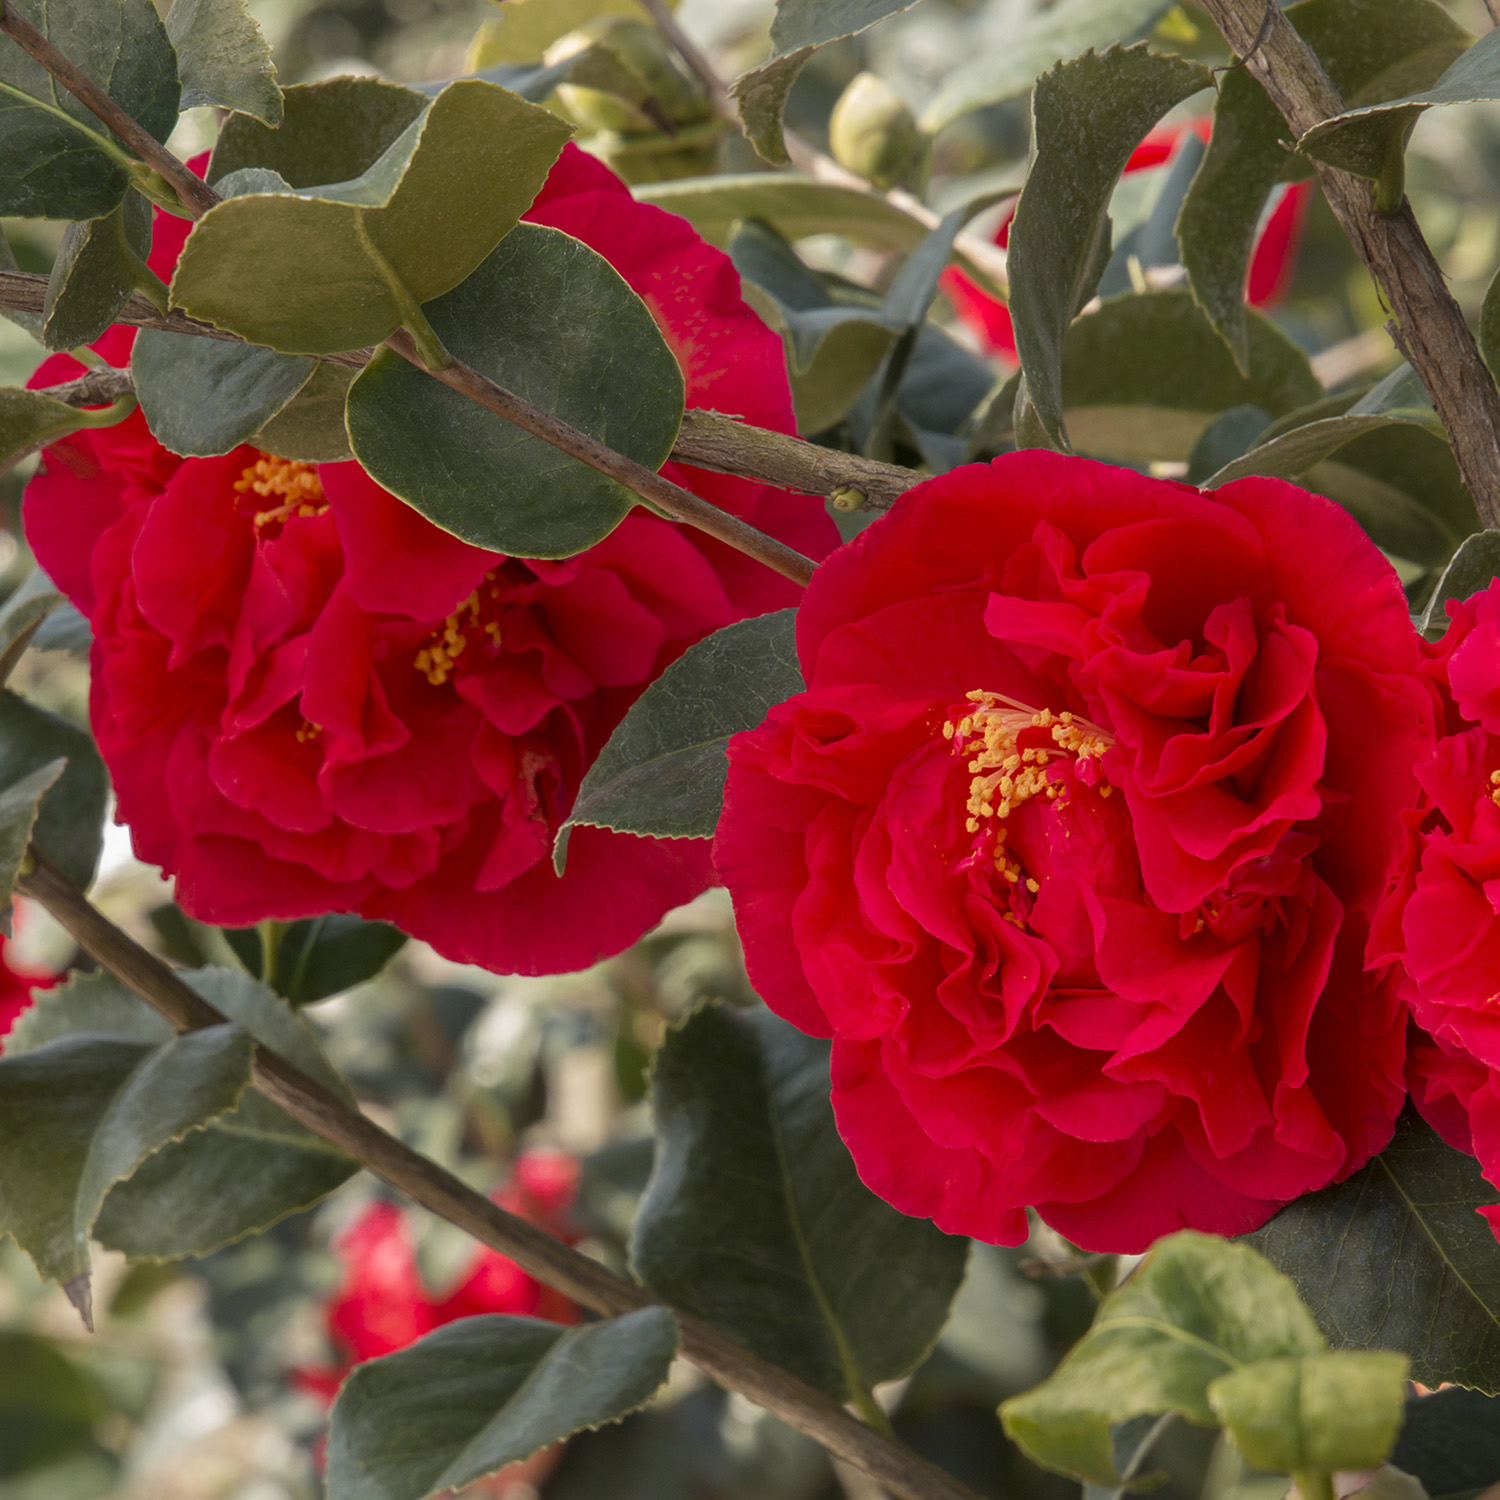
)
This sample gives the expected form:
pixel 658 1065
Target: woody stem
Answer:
pixel 720 1357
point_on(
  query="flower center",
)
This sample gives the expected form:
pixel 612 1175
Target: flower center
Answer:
pixel 1010 747
pixel 295 485
pixel 438 659
pixel 1495 787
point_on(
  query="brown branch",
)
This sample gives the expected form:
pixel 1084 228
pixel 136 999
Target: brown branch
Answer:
pixel 1428 327
pixel 707 440
pixel 440 1192
pixel 688 50
pixel 192 190
pixel 100 387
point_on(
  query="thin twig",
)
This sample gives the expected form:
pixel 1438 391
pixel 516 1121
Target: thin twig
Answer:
pixel 689 51
pixel 192 190
pixel 707 440
pixel 1428 327
pixel 439 1191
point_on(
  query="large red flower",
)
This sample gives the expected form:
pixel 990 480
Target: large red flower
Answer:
pixel 1441 919
pixel 1072 842
pixel 311 699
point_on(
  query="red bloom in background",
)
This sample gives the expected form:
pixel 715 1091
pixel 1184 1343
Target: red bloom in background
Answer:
pixel 1441 919
pixel 311 699
pixel 381 1304
pixel 1072 842
pixel 16 985
pixel 1272 262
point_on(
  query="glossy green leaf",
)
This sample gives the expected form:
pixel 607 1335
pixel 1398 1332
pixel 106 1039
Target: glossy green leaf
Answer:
pixel 337 266
pixel 1195 1309
pixel 551 320
pixel 333 131
pixel 311 426
pixel 56 160
pixel 1320 1412
pixel 205 396
pixel 1032 46
pixel 755 1220
pixel 1470 569
pixel 248 1169
pixel 800 27
pixel 1143 375
pixel 20 803
pixel 1372 49
pixel 319 956
pixel 1450 1441
pixel 97 268
pixel 29 420
pixel 1360 139
pixel 1088 116
pixel 485 1392
pixel 80 1113
pixel 796 207
pixel 48 1407
pixel 1489 324
pixel 222 58
pixel 21 616
pixel 662 771
pixel 70 829
pixel 1397 1258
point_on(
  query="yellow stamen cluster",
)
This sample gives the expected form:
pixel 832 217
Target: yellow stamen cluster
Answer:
pixel 1005 774
pixel 308 732
pixel 294 484
pixel 437 660
pixel 1495 787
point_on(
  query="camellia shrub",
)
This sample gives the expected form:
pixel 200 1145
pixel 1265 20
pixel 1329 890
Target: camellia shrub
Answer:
pixel 999 550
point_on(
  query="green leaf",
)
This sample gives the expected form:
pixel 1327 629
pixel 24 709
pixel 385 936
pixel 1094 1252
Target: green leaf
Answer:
pixel 311 426
pixel 222 58
pixel 21 617
pixel 1371 50
pixel 1060 237
pixel 48 1406
pixel 1321 1412
pixel 1469 570
pixel 525 29
pixel 70 828
pixel 1360 140
pixel 1143 375
pixel 79 1114
pixel 1396 1257
pixel 1195 1309
pixel 248 1169
pixel 485 1392
pixel 29 420
pixel 551 320
pixel 97 268
pixel 755 1220
pixel 204 396
pixel 798 30
pixel 1031 47
pixel 662 771
pixel 1489 324
pixel 1451 1442
pixel 20 804
pixel 56 160
pixel 335 267
pixel 30 321
pixel 796 207
pixel 333 131
pixel 320 956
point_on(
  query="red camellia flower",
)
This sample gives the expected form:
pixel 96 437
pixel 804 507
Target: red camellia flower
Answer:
pixel 1072 841
pixel 311 699
pixel 1441 919
pixel 1272 262
pixel 16 984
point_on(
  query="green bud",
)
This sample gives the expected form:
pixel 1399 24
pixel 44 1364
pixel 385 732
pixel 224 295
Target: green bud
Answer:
pixel 872 132
pixel 626 79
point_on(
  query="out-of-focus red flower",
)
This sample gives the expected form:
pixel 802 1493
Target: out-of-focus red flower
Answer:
pixel 1273 262
pixel 1072 842
pixel 311 699
pixel 382 1305
pixel 1441 918
pixel 17 982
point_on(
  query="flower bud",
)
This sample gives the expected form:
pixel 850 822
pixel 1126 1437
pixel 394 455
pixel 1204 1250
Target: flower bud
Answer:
pixel 625 78
pixel 872 132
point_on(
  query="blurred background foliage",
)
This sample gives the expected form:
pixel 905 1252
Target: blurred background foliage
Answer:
pixel 211 1378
